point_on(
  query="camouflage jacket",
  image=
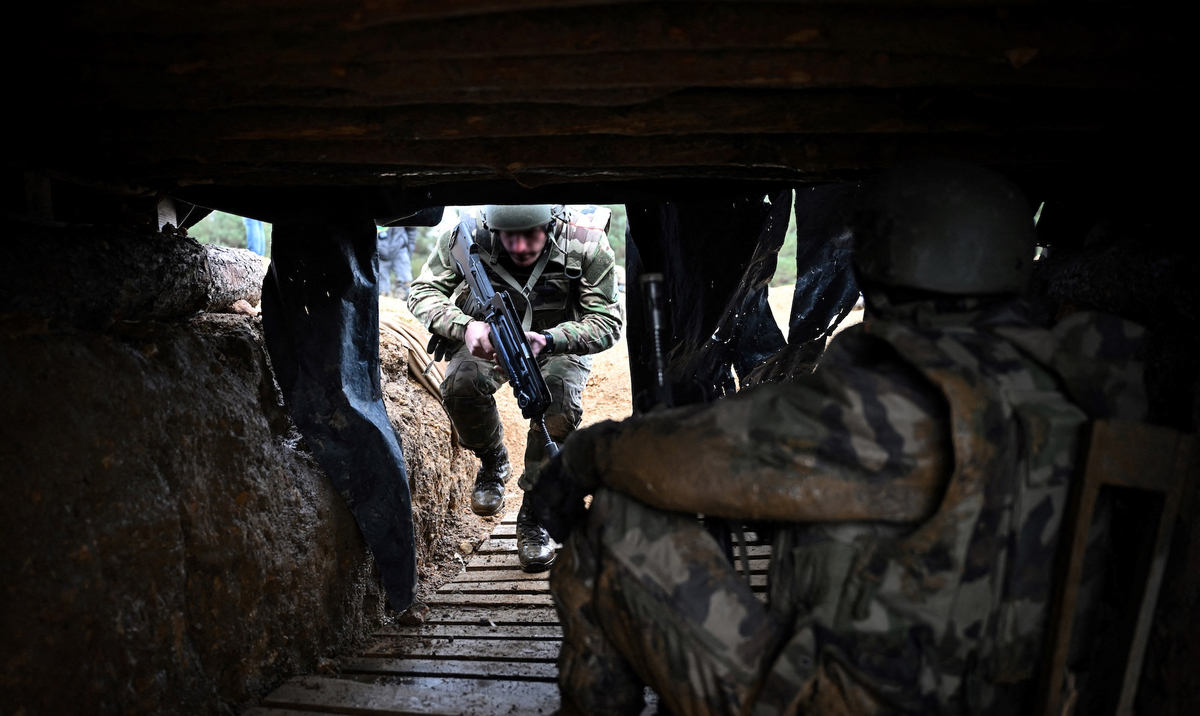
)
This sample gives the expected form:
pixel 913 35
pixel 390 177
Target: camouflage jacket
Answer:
pixel 574 297
pixel 962 425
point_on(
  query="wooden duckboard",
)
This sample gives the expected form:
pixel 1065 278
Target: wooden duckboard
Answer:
pixel 488 646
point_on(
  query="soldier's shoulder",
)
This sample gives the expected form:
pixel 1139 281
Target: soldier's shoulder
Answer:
pixel 581 238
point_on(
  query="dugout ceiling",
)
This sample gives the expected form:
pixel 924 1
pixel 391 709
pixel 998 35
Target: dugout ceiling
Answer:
pixel 477 94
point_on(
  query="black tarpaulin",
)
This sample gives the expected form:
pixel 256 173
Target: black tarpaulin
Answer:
pixel 321 319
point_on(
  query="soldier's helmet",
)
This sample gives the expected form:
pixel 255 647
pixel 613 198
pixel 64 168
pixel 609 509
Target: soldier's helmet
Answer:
pixel 518 217
pixel 947 226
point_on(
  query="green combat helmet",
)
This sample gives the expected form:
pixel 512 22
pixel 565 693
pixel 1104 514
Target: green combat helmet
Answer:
pixel 946 226
pixel 518 217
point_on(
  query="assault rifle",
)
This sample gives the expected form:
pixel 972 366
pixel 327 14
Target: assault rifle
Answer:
pixel 507 335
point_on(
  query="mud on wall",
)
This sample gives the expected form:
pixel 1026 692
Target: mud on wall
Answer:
pixel 169 545
pixel 440 474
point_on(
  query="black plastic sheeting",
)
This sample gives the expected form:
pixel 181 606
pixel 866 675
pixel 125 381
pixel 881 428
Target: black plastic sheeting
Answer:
pixel 717 257
pixel 826 287
pixel 320 310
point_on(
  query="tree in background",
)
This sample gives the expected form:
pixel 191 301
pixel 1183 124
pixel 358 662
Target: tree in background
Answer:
pixel 616 231
pixel 224 229
pixel 785 270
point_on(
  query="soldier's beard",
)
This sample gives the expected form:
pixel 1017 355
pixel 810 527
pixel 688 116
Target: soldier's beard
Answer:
pixel 524 260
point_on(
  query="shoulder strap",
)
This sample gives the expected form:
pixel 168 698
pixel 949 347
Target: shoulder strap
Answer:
pixel 524 290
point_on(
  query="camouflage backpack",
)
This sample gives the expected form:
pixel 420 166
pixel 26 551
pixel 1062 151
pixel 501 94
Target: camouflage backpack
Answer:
pixel 949 616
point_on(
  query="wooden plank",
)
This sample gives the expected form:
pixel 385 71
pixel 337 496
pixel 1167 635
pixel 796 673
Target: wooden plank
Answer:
pixel 530 79
pixel 524 586
pixel 505 529
pixel 258 16
pixel 478 649
pixel 488 616
pixel 497 575
pixel 509 546
pixel 601 155
pixel 487 600
pixel 948 31
pixel 497 546
pixel 501 561
pixel 510 530
pixel 475 631
pixel 493 562
pixel 535 586
pixel 757 566
pixel 524 671
pixel 418 696
pixel 261 711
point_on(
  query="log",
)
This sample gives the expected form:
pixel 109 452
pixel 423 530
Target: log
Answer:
pixel 505 79
pixel 604 156
pixel 96 276
pixel 694 112
pixel 234 275
pixel 1102 31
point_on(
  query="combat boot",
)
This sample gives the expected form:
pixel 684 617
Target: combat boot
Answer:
pixel 488 495
pixel 535 549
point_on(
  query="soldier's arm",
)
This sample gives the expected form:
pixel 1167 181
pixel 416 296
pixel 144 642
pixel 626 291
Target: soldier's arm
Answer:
pixel 851 444
pixel 601 316
pixel 429 296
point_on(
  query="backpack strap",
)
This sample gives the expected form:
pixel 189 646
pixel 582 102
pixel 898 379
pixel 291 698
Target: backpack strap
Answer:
pixel 511 281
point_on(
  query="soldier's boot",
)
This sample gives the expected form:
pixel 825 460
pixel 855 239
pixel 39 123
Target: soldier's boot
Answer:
pixel 535 549
pixel 488 495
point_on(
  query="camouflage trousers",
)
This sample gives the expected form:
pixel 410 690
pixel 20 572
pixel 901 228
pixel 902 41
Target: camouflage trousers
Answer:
pixel 648 597
pixel 468 394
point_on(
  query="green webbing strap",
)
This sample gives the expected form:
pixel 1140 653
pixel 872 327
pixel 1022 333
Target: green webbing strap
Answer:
pixel 527 319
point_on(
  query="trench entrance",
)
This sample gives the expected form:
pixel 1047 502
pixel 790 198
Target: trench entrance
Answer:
pixel 491 638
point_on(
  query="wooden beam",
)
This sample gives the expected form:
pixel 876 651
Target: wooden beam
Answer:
pixel 595 155
pixel 1101 31
pixel 477 649
pixel 524 671
pixel 182 19
pixel 495 80
pixel 689 112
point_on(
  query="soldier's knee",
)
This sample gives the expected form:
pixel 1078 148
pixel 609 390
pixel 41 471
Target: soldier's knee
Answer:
pixel 465 381
pixel 566 403
pixel 560 424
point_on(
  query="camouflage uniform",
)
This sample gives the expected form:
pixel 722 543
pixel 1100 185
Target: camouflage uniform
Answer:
pixel 964 424
pixel 573 297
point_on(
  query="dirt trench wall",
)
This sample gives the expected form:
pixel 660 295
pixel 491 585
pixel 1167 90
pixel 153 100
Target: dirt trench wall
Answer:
pixel 169 544
pixel 440 474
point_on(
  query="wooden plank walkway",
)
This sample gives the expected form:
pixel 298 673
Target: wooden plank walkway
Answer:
pixel 488 646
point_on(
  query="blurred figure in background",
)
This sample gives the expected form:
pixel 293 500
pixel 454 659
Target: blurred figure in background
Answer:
pixel 255 236
pixel 396 245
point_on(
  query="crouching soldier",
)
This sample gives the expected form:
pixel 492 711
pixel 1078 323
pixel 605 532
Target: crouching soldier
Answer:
pixel 916 481
pixel 561 279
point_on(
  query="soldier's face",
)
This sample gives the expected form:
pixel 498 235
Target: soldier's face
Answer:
pixel 524 247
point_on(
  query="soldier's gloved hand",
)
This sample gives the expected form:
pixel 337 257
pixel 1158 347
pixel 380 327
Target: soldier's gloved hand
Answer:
pixel 440 347
pixel 568 477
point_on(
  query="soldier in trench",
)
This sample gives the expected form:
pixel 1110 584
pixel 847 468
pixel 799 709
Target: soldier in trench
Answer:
pixel 561 276
pixel 915 482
